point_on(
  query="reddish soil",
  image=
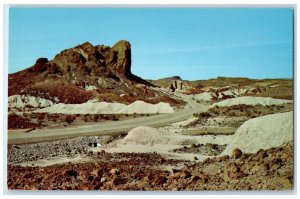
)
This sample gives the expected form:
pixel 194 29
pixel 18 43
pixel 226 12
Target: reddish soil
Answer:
pixel 18 122
pixel 270 169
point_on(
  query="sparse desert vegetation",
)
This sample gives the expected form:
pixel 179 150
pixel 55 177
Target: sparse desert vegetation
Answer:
pixel 243 110
pixel 270 169
pixel 190 155
pixel 42 120
pixel 16 122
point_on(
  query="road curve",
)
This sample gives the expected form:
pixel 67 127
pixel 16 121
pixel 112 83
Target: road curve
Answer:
pixel 105 128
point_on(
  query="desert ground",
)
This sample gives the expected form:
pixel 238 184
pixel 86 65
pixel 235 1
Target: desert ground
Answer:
pixel 75 126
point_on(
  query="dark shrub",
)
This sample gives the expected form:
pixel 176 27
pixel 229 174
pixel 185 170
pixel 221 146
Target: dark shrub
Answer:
pixel 69 119
pixel 205 114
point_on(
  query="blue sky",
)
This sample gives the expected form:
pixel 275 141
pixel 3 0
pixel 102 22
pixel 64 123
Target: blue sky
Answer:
pixel 194 43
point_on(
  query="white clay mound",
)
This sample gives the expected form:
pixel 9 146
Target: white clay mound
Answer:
pixel 143 107
pixel 91 107
pixel 144 135
pixel 20 101
pixel 206 96
pixel 248 100
pixel 145 139
pixel 262 133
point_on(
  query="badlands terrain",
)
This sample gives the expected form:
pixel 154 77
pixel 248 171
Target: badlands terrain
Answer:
pixel 83 121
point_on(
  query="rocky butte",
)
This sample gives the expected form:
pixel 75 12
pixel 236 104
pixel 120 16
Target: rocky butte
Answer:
pixel 85 72
pixel 85 63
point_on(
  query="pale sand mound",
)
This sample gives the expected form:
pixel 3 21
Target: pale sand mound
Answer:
pixel 91 107
pixel 248 100
pixel 145 139
pixel 143 107
pixel 84 108
pixel 206 96
pixel 20 101
pixel 262 133
pixel 145 135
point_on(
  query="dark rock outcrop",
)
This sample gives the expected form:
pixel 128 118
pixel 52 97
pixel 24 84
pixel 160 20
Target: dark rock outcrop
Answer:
pixel 179 85
pixel 80 66
pixel 86 62
pixel 85 72
pixel 122 51
pixel 40 65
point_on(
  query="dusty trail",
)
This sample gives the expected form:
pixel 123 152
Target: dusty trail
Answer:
pixel 106 128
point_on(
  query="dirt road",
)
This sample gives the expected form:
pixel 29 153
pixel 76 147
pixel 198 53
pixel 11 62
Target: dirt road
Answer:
pixel 105 128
